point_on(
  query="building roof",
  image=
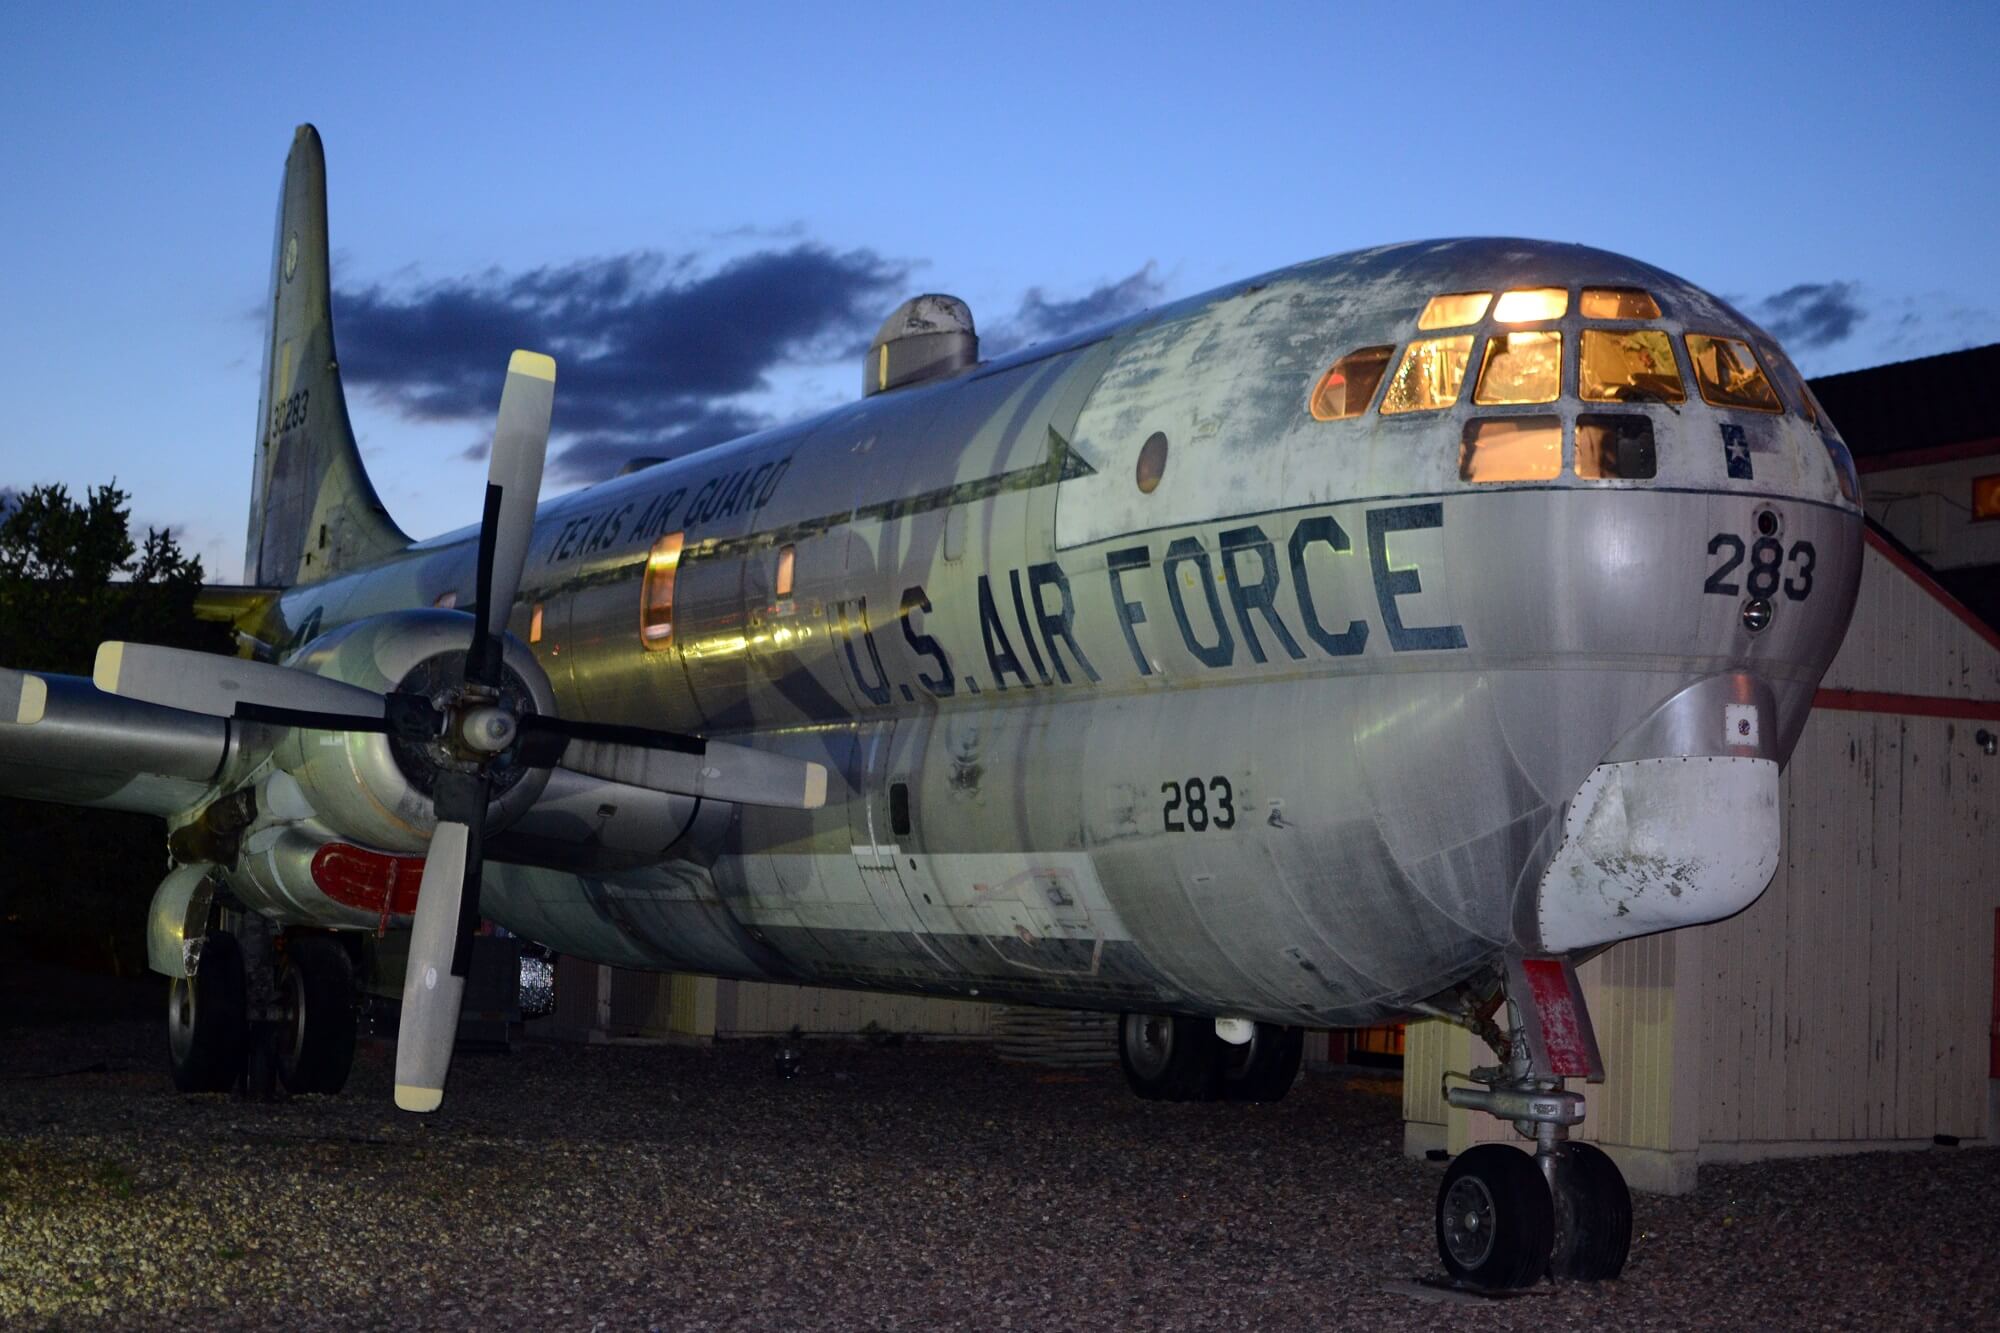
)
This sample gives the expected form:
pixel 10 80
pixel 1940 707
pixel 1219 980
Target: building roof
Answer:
pixel 1931 403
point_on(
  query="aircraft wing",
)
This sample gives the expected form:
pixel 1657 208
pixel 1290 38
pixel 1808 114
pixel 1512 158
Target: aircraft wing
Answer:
pixel 64 740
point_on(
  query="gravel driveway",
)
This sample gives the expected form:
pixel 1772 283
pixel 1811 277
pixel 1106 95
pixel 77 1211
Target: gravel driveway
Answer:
pixel 912 1187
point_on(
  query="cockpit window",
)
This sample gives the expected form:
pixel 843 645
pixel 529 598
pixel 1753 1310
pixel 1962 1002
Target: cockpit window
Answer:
pixel 1521 368
pixel 1728 373
pixel 1454 311
pixel 1614 445
pixel 1618 303
pixel 1529 304
pixel 1511 449
pixel 1628 366
pixel 1432 372
pixel 1347 389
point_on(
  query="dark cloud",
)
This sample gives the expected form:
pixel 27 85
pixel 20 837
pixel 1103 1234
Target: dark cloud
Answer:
pixel 650 347
pixel 1812 315
pixel 1040 319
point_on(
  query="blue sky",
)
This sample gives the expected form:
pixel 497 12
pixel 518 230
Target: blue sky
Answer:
pixel 1040 161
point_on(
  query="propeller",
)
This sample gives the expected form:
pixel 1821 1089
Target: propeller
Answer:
pixel 475 724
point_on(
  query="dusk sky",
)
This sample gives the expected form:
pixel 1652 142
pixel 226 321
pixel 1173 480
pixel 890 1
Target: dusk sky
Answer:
pixel 725 201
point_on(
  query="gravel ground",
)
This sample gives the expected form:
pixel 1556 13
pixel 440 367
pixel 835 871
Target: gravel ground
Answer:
pixel 900 1187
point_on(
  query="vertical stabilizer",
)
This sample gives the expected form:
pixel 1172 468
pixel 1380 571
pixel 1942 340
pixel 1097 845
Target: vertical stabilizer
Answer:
pixel 313 511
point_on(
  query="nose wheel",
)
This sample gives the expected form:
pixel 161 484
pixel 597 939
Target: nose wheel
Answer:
pixel 1505 1218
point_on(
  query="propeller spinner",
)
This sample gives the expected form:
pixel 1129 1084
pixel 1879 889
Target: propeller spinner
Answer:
pixel 474 722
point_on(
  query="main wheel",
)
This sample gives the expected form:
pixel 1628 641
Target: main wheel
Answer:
pixel 1168 1058
pixel 1593 1212
pixel 206 1032
pixel 1264 1068
pixel 316 1038
pixel 1495 1222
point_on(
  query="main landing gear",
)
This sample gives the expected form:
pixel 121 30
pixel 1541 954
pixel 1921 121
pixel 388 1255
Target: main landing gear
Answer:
pixel 1503 1218
pixel 1172 1058
pixel 275 1010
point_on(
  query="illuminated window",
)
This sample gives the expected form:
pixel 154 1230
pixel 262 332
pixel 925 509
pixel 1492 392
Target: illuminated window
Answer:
pixel 1985 497
pixel 1628 367
pixel 446 601
pixel 1511 449
pixel 1728 373
pixel 1454 311
pixel 1521 368
pixel 1346 390
pixel 535 624
pixel 781 584
pixel 1614 446
pixel 656 612
pixel 1618 303
pixel 1429 378
pixel 1530 304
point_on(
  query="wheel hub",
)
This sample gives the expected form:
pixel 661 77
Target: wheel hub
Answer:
pixel 1468 1228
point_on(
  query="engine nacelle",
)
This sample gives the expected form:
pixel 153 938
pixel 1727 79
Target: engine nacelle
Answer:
pixel 376 789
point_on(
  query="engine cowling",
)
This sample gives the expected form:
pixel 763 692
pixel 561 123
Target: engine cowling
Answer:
pixel 376 789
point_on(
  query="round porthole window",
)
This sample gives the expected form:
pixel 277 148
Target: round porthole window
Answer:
pixel 1152 462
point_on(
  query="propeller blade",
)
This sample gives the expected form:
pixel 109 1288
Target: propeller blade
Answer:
pixel 432 990
pixel 23 697
pixel 215 685
pixel 513 483
pixel 719 772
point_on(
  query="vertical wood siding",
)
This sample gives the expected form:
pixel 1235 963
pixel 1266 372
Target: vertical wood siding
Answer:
pixel 763 1009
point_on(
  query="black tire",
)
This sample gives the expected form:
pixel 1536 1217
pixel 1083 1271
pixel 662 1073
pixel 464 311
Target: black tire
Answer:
pixel 1169 1058
pixel 1264 1068
pixel 1593 1212
pixel 1495 1221
pixel 206 1032
pixel 316 1039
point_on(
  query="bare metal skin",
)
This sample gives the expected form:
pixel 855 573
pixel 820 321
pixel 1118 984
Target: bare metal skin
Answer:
pixel 1297 735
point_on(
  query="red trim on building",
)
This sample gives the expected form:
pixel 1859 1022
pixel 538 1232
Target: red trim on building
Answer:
pixel 1913 705
pixel 1921 577
pixel 1943 453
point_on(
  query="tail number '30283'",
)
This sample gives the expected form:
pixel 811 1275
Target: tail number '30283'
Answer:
pixel 1195 806
pixel 1771 567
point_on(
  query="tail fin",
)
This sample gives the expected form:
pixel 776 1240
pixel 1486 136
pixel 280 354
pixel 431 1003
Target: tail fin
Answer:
pixel 313 511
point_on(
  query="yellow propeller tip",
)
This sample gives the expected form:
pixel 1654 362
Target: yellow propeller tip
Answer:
pixel 104 674
pixel 533 364
pixel 412 1098
pixel 34 700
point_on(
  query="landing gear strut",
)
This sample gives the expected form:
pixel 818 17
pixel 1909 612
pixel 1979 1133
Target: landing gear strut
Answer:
pixel 1503 1219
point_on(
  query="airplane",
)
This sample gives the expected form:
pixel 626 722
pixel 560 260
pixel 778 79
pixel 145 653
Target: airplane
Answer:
pixel 1374 639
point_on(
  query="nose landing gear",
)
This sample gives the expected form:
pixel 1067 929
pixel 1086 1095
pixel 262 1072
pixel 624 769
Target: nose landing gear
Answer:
pixel 1505 1219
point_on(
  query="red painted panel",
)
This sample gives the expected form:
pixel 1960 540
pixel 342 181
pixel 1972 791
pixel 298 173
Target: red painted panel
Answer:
pixel 1562 1033
pixel 1914 705
pixel 357 877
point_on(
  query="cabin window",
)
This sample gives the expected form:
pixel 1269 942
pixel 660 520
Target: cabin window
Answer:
pixel 1621 366
pixel 1455 310
pixel 656 611
pixel 1728 373
pixel 535 624
pixel 781 582
pixel 1521 368
pixel 1618 303
pixel 446 601
pixel 1430 376
pixel 1511 449
pixel 1614 446
pixel 1347 389
pixel 1530 304
pixel 1986 497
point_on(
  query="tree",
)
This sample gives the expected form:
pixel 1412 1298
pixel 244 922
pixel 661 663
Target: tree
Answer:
pixel 70 578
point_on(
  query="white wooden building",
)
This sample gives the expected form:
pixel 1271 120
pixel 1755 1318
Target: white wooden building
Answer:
pixel 1853 1005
